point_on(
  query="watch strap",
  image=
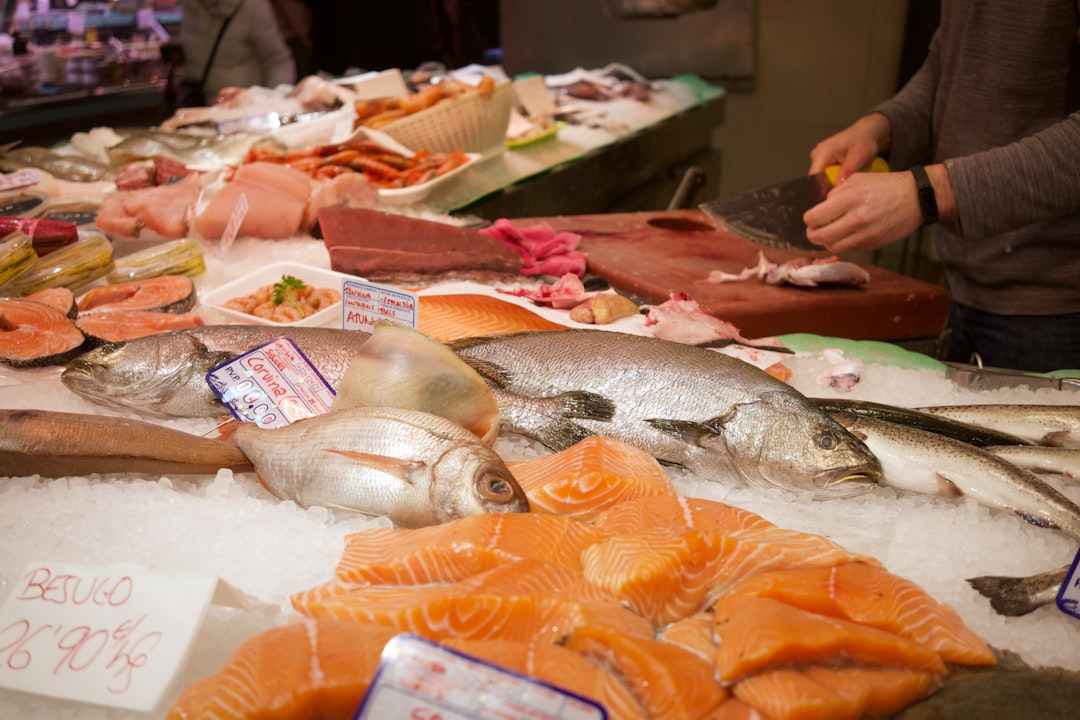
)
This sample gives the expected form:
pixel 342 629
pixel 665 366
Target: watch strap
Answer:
pixel 925 192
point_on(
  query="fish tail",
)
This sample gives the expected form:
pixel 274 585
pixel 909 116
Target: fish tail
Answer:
pixel 1009 596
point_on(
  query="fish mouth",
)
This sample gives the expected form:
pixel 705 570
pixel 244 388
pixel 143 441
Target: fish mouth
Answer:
pixel 847 481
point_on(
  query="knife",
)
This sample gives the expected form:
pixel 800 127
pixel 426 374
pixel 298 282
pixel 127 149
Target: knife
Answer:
pixel 773 215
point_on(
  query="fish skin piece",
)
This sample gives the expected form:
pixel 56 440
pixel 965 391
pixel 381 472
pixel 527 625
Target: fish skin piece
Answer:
pixel 1053 425
pixel 963 431
pixel 919 461
pixel 715 415
pixel 165 374
pixel 411 466
pixel 61 444
pixel 305 670
pixel 1015 596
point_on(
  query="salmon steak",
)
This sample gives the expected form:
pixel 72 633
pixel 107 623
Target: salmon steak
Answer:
pixel 166 293
pixel 102 328
pixel 33 334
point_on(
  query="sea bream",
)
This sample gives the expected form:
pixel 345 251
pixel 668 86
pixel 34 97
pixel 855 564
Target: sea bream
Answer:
pixel 717 416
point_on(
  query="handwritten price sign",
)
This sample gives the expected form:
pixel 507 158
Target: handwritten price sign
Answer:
pixel 109 636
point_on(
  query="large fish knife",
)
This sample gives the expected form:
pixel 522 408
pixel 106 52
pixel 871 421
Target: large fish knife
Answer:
pixel 773 215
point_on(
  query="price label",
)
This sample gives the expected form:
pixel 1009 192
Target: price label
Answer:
pixel 108 636
pixel 272 385
pixel 232 228
pixel 363 303
pixel 418 678
pixel 1068 597
pixel 18 179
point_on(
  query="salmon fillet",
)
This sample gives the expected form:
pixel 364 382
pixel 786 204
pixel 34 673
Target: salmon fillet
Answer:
pixel 167 293
pixel 33 334
pixel 452 317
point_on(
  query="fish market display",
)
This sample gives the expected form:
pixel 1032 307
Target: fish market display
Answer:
pixel 717 416
pixel 413 467
pixel 276 196
pixel 163 209
pixel 381 166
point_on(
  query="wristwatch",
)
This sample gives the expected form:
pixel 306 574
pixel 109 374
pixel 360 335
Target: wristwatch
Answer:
pixel 927 198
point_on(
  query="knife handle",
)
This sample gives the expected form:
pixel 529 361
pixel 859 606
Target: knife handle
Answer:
pixel 878 164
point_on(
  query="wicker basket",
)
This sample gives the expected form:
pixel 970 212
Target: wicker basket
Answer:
pixel 471 123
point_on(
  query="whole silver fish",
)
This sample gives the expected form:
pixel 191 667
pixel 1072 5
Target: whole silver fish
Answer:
pixel 188 148
pixel 76 168
pixel 165 374
pixel 1041 459
pixel 710 413
pixel 414 467
pixel 920 461
pixel 1053 425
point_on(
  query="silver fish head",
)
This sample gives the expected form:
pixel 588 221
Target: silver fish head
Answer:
pixel 162 374
pixel 471 480
pixel 782 440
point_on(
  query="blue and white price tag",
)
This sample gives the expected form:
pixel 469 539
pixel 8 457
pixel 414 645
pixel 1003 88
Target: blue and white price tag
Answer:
pixel 420 679
pixel 362 303
pixel 272 385
pixel 1068 597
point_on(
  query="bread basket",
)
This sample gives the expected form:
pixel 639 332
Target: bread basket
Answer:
pixel 470 122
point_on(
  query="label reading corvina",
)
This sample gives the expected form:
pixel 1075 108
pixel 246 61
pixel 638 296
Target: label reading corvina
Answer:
pixel 1068 597
pixel 272 385
pixel 418 678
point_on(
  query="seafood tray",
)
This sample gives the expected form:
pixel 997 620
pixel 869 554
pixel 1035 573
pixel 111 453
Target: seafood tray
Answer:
pixel 471 123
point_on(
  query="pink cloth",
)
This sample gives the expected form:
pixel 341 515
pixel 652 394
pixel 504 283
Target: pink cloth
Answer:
pixel 543 251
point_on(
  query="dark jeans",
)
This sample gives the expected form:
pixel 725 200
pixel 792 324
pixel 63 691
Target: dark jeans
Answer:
pixel 1033 343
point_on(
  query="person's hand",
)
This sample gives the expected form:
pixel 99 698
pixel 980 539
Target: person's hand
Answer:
pixel 865 212
pixel 852 148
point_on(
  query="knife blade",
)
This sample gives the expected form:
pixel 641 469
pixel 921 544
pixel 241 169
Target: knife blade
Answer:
pixel 772 216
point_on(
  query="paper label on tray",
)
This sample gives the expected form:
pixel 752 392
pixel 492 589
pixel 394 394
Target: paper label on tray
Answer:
pixel 533 94
pixel 363 303
pixel 232 228
pixel 18 179
pixel 1068 597
pixel 103 635
pixel 272 385
pixel 420 679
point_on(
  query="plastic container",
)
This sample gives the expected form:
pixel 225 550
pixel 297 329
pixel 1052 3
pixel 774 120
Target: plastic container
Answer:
pixel 72 267
pixel 175 257
pixel 215 300
pixel 471 122
pixel 16 256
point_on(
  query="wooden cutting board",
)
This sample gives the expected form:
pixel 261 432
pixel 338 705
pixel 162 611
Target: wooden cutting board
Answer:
pixel 653 254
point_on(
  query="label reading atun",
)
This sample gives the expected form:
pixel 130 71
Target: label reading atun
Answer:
pixel 418 678
pixel 272 385
pixel 364 303
pixel 1068 597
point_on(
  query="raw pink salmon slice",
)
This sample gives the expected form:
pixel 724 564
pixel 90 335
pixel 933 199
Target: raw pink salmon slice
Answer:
pixel 60 298
pixel 670 682
pixel 589 477
pixel 309 670
pixel 452 317
pixel 695 513
pixel 111 327
pixel 453 551
pixel 757 634
pixel 870 595
pixel 561 667
pixel 694 633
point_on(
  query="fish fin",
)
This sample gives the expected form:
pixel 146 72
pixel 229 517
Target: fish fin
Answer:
pixel 947 488
pixel 560 435
pixel 492 373
pixel 398 467
pixel 688 431
pixel 1057 438
pixel 1009 596
pixel 585 405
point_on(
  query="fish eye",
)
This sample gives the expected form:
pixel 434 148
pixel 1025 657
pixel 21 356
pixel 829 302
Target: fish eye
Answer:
pixel 827 442
pixel 497 488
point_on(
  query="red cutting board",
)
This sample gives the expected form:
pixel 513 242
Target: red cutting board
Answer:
pixel 653 254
